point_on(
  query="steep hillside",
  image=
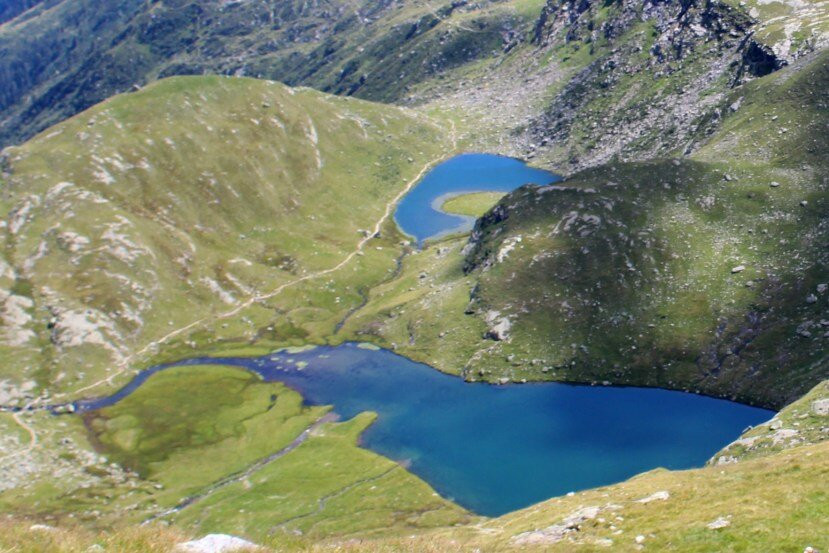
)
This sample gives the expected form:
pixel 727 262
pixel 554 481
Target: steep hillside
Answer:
pixel 706 273
pixel 528 77
pixel 597 81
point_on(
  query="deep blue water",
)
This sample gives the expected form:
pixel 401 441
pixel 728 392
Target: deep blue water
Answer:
pixel 494 449
pixel 417 214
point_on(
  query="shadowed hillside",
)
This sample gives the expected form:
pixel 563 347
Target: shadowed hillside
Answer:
pixel 706 273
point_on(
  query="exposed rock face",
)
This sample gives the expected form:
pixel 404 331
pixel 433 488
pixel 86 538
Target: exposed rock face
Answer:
pixel 681 29
pixel 557 532
pixel 499 326
pixel 698 49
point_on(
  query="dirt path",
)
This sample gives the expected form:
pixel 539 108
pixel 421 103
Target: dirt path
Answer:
pixel 32 436
pixel 389 209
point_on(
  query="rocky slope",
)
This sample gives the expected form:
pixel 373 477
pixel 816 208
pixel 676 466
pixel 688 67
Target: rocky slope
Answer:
pixel 708 273
pixel 533 78
pixel 597 81
pixel 802 423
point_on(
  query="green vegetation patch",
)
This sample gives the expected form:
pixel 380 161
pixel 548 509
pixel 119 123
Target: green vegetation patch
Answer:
pixel 327 486
pixel 178 203
pixel 187 427
pixel 472 205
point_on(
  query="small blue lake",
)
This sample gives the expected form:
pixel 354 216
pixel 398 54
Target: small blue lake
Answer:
pixel 494 449
pixel 418 213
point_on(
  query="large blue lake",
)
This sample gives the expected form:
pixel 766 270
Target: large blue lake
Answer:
pixel 418 213
pixel 494 449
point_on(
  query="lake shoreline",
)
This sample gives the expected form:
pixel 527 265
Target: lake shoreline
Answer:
pixel 350 371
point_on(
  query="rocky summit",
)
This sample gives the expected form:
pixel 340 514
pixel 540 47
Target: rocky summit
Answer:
pixel 204 209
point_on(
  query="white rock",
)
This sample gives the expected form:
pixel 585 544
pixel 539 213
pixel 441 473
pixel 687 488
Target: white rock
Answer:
pixel 738 269
pixel 656 496
pixel 639 539
pixel 783 435
pixel 721 522
pixel 41 528
pixel 820 407
pixel 216 543
pixel 508 245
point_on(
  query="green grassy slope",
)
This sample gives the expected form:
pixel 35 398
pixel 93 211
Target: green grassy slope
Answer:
pixel 199 215
pixel 473 205
pixel 771 504
pixel 179 204
pixel 775 503
pixel 327 486
pixel 188 427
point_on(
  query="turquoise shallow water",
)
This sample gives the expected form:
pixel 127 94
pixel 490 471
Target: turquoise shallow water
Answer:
pixel 417 214
pixel 494 449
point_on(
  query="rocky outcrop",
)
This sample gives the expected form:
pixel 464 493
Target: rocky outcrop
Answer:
pixel 558 532
pixel 679 27
pixel 696 52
